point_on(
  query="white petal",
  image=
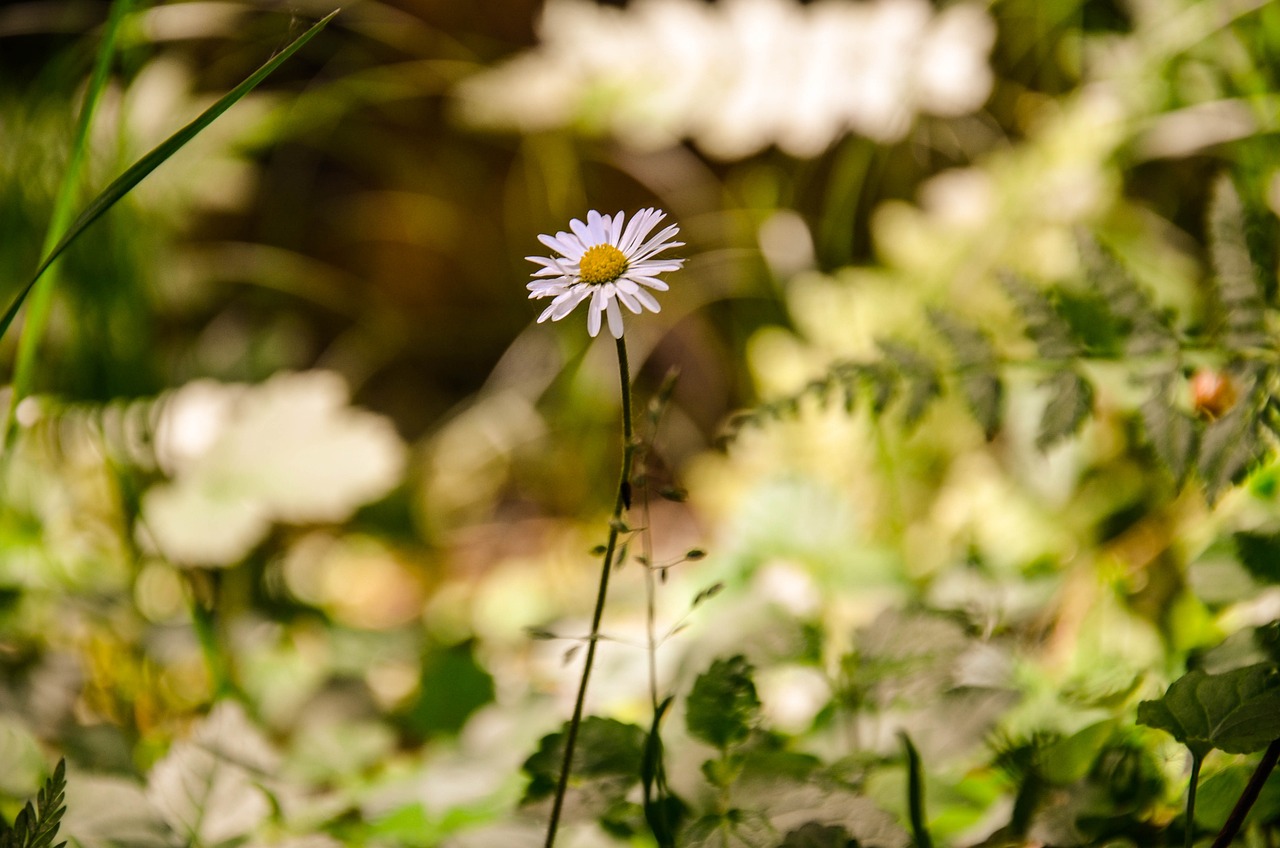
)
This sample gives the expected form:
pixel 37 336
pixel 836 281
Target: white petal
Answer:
pixel 593 322
pixel 569 301
pixel 629 301
pixel 652 282
pixel 582 231
pixel 639 227
pixel 615 229
pixel 648 300
pixel 615 318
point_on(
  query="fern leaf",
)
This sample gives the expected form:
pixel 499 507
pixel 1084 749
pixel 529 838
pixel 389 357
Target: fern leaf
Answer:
pixel 1145 327
pixel 1170 431
pixel 1051 334
pixel 1240 305
pixel 1227 449
pixel 920 375
pixel 36 826
pixel 1070 402
pixel 976 369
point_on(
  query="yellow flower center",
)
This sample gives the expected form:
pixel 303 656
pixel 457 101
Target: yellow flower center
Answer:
pixel 602 263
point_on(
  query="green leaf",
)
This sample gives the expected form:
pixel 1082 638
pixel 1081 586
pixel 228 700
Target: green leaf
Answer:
pixel 976 369
pixel 454 685
pixel 723 705
pixel 606 750
pixel 920 375
pixel 1170 431
pixel 1259 553
pixel 1241 324
pixel 1237 712
pixel 1044 326
pixel 36 826
pixel 1070 402
pixel 148 163
pixel 1145 328
pixel 1227 448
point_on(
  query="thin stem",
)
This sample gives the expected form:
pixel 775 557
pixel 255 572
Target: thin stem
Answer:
pixel 621 503
pixel 1247 798
pixel 1189 837
pixel 38 305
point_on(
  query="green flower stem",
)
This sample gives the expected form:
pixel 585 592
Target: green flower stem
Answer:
pixel 1234 821
pixel 203 591
pixel 1189 837
pixel 621 502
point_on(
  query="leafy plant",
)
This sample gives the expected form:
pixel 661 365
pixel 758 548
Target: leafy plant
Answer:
pixel 37 825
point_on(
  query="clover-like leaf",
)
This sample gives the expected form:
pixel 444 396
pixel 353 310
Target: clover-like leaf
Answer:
pixel 1237 712
pixel 723 705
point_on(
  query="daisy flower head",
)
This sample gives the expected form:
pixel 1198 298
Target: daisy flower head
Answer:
pixel 605 263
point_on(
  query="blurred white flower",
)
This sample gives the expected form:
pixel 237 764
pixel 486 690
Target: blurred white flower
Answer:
pixel 602 261
pixel 740 75
pixel 242 457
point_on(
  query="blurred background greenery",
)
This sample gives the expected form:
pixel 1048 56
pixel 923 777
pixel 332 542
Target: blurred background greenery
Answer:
pixel 301 472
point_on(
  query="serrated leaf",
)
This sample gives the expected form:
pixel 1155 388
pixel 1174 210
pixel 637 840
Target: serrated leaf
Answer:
pixel 723 706
pixel 1259 553
pixel 1044 326
pixel 36 825
pixel 1241 311
pixel 1228 447
pixel 1147 332
pixel 1170 431
pixel 977 369
pixel 1070 403
pixel 1237 712
pixel 919 374
pixel 607 750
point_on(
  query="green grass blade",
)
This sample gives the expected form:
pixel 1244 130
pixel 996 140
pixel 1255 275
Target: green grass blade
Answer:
pixel 144 166
pixel 38 309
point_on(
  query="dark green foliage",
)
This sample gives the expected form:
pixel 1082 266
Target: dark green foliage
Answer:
pixel 37 825
pixel 454 685
pixel 1228 447
pixel 1237 712
pixel 662 810
pixel 723 706
pixel 1240 318
pixel 1044 326
pixel 977 368
pixel 915 793
pixel 918 374
pixel 1069 406
pixel 1170 430
pixel 815 835
pixel 608 752
pixel 1144 328
pixel 1260 554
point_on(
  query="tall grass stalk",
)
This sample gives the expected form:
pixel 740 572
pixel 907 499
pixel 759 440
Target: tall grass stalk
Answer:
pixel 41 295
pixel 622 501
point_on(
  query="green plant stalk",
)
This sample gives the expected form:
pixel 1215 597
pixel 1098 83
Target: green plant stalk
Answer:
pixel 1189 837
pixel 621 502
pixel 41 296
pixel 915 793
pixel 1250 795
pixel 148 163
pixel 203 592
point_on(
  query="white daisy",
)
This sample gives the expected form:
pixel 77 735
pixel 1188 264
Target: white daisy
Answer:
pixel 606 263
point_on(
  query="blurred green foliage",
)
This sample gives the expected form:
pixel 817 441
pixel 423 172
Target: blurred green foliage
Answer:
pixel 974 420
